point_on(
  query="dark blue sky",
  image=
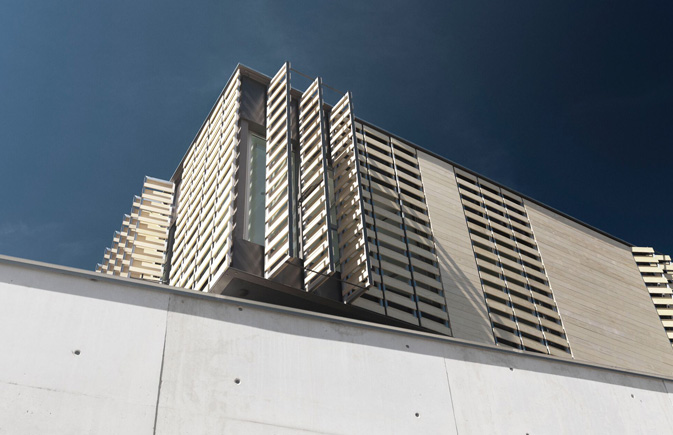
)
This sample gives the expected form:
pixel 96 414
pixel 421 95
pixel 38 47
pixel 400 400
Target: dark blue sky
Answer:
pixel 571 104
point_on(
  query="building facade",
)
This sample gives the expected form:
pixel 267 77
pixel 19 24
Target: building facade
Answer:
pixel 307 199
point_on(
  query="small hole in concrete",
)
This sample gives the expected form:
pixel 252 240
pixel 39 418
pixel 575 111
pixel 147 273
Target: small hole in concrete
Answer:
pixel 237 381
pixel 240 308
pixel 511 369
pixel 77 352
pixel 407 346
pixel 417 415
pixel 631 395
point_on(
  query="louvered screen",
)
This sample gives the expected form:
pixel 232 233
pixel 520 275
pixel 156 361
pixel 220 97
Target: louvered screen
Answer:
pixel 404 262
pixel 314 196
pixel 354 258
pixel 279 243
pixel 151 215
pixel 520 300
pixel 387 254
pixel 206 208
pixel 657 273
pixel 139 249
pixel 117 258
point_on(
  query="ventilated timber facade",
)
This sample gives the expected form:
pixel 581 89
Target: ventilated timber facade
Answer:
pixel 336 214
pixel 204 218
pixel 399 236
pixel 517 292
pixel 387 256
pixel 139 248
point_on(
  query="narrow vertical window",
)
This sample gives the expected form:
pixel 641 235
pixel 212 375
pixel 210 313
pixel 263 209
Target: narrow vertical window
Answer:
pixel 256 192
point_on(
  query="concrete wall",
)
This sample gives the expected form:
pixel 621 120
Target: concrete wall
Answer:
pixel 111 386
pixel 156 359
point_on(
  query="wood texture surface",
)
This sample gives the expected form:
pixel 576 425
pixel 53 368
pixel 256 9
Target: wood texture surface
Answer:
pixel 462 288
pixel 606 309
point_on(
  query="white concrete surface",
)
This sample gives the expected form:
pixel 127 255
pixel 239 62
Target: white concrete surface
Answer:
pixel 45 387
pixel 159 360
pixel 294 373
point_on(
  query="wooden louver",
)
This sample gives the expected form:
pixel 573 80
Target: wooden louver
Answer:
pixel 657 273
pixel 317 244
pixel 205 213
pixel 354 259
pixel 518 295
pixel 407 281
pixel 139 248
pixel 387 258
pixel 280 208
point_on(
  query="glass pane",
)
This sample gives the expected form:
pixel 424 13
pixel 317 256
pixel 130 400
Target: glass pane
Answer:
pixel 256 193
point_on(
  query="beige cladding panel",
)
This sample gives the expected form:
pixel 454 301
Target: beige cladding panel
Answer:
pixel 607 312
pixel 462 287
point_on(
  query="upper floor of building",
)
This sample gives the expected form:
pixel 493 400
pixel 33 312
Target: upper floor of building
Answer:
pixel 284 198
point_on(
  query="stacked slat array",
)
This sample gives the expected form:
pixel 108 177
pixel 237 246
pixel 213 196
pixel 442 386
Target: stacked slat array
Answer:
pixel 387 259
pixel 117 258
pixel 657 273
pixel 520 301
pixel 280 209
pixel 206 208
pixel 139 249
pixel 314 196
pixel 407 278
pixel 151 215
pixel 354 256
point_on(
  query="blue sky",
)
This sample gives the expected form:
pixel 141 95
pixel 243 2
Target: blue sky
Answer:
pixel 567 103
